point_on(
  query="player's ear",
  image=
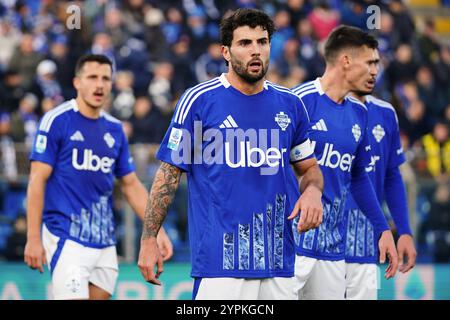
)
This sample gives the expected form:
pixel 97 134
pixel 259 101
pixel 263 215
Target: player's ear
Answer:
pixel 226 53
pixel 76 82
pixel 345 60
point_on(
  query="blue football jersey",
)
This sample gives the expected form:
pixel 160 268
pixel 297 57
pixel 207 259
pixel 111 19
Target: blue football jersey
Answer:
pixel 387 152
pixel 85 155
pixel 338 134
pixel 236 150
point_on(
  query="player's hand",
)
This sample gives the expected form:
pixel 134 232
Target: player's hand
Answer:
pixel 164 244
pixel 149 257
pixel 406 249
pixel 34 254
pixel 387 248
pixel 310 206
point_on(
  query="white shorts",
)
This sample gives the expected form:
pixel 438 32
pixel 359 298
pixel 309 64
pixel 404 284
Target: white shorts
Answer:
pixel 319 279
pixel 74 266
pixel 246 289
pixel 362 281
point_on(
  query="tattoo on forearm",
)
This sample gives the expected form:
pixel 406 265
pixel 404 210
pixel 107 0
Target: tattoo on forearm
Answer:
pixel 161 195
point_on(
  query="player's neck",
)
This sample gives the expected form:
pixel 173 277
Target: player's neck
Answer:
pixel 334 85
pixel 244 87
pixel 86 110
pixel 359 97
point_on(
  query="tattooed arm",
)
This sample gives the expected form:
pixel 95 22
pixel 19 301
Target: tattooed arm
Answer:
pixel 137 195
pixel 163 190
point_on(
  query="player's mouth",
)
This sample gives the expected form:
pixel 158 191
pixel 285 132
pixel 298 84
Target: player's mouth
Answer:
pixel 98 95
pixel 371 83
pixel 255 65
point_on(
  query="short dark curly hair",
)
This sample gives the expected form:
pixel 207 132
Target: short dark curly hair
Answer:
pixel 244 17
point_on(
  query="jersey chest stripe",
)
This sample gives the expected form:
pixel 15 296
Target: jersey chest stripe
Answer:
pixel 184 115
pixel 304 93
pixel 304 87
pixel 48 120
pixel 187 96
pixel 356 101
pixel 382 104
pixel 110 118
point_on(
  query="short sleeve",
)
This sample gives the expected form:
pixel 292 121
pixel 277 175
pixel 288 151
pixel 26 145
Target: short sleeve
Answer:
pixel 47 142
pixel 177 147
pixel 396 154
pixel 124 162
pixel 301 148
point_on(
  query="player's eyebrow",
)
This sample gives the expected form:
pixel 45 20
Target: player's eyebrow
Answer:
pixel 246 40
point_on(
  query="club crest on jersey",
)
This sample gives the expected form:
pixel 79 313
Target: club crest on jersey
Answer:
pixel 282 120
pixel 109 139
pixel 356 130
pixel 41 143
pixel 378 132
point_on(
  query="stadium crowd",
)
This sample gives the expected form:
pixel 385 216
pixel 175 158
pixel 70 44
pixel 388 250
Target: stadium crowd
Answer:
pixel 160 48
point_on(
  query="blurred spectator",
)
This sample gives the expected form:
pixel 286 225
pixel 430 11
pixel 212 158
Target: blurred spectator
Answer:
pixel 442 71
pixel 146 126
pixel 102 44
pixel 154 36
pixel 115 27
pixel 436 146
pixel 403 68
pixel 160 87
pixel 298 10
pixel 65 66
pixel 387 36
pixel 309 53
pixel 173 27
pixel 133 16
pixel 411 112
pixel 95 11
pixel 181 59
pixel 447 115
pixel 147 123
pixel 201 32
pixel 210 64
pixel 210 8
pixel 25 59
pixel 403 21
pixel 353 13
pixel 290 57
pixel 134 57
pixel 24 121
pixel 439 223
pixel 8 163
pixel 283 33
pixel 124 99
pixel 16 241
pixel 9 39
pixel 45 85
pixel 428 43
pixel 429 92
pixel 11 91
pixel 323 19
pixel 23 18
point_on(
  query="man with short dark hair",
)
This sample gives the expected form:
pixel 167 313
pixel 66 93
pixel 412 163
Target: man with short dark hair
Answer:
pixel 338 131
pixel 235 136
pixel 77 152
